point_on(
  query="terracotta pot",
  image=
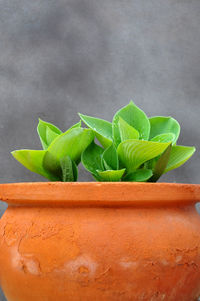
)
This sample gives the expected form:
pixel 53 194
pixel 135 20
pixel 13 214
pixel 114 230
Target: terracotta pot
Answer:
pixel 100 242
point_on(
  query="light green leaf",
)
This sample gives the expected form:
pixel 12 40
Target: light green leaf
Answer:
pixel 104 141
pixel 179 155
pixel 169 137
pixel 50 136
pixel 133 153
pixel 33 160
pixel 42 132
pixel 110 158
pixel 161 164
pixel 135 118
pixel 71 143
pixel 140 175
pixel 91 158
pixel 163 125
pixel 127 131
pixel 102 129
pixel 76 125
pixel 111 175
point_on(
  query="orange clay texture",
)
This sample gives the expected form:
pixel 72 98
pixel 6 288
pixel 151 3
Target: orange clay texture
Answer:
pixel 97 250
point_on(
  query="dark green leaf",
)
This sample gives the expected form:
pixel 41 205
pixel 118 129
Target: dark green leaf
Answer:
pixel 105 164
pixel 140 175
pixel 110 157
pixel 102 129
pixel 91 158
pixel 161 164
pixel 135 118
pixel 163 125
pixel 133 153
pixel 75 171
pixel 67 170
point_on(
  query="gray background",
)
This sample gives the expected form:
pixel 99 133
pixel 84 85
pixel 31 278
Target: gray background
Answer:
pixel 61 57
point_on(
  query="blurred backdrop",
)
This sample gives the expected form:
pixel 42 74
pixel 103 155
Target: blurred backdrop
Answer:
pixel 61 57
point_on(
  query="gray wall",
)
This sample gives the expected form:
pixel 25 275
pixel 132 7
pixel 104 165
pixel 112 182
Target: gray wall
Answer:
pixel 61 57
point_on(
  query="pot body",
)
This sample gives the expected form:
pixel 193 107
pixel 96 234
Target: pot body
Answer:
pixel 101 253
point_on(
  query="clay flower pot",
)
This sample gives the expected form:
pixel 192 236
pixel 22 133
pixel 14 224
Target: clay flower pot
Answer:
pixel 100 242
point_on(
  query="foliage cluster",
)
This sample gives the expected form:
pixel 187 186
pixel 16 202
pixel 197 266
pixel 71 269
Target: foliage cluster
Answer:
pixel 133 148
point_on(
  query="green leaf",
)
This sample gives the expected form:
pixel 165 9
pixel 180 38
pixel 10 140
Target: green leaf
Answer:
pixel 110 158
pixel 33 160
pixel 75 171
pixel 111 175
pixel 69 169
pixel 127 131
pixel 179 155
pixel 133 153
pixel 76 125
pixel 161 164
pixel 50 136
pixel 42 132
pixel 135 118
pixel 71 143
pixel 102 129
pixel 104 141
pixel 105 165
pixel 91 158
pixel 140 175
pixel 163 125
pixel 164 138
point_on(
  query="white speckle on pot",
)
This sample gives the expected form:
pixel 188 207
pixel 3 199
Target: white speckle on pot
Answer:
pixel 82 265
pixel 178 258
pixel 25 264
pixel 128 264
pixel 164 262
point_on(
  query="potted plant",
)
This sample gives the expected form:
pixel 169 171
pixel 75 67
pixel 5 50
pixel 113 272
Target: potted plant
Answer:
pixel 122 238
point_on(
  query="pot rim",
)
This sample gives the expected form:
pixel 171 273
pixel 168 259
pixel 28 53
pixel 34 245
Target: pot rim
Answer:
pixel 98 193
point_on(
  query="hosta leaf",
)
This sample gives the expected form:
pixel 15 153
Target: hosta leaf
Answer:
pixel 140 175
pixel 75 171
pixel 105 165
pixel 33 160
pixel 102 129
pixel 179 155
pixel 76 125
pixel 42 132
pixel 69 169
pixel 169 137
pixel 71 143
pixel 133 153
pixel 105 142
pixel 135 118
pixel 127 131
pixel 161 164
pixel 50 136
pixel 110 157
pixel 163 125
pixel 111 175
pixel 91 158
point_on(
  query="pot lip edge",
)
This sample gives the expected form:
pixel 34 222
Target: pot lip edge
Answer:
pixel 76 193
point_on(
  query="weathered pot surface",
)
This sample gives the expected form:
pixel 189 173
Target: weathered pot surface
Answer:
pixel 100 242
